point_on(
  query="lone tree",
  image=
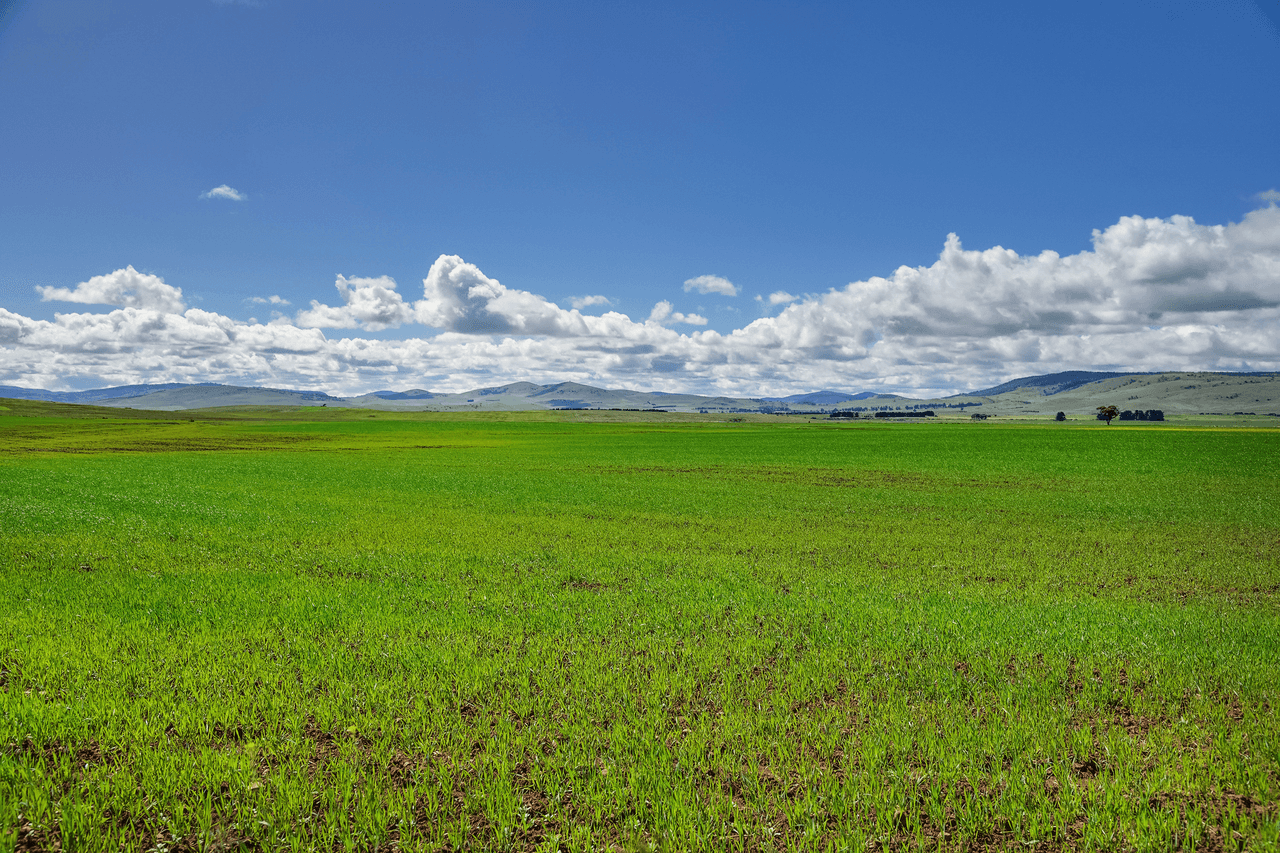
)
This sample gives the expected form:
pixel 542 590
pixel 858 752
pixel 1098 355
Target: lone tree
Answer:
pixel 1106 413
pixel 1061 416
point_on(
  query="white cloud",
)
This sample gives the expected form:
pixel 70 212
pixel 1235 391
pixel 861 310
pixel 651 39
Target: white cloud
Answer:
pixel 268 300
pixel 1270 196
pixel 711 284
pixel 781 297
pixel 581 302
pixel 125 288
pixel 664 313
pixel 457 297
pixel 226 192
pixel 1152 294
pixel 372 303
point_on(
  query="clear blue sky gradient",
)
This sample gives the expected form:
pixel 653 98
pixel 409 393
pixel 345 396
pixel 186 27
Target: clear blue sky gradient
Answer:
pixel 609 148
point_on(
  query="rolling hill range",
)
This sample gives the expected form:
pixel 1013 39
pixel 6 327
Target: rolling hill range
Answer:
pixel 1174 393
pixel 1076 393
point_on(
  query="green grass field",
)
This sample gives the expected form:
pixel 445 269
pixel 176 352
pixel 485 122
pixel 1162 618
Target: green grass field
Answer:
pixel 334 630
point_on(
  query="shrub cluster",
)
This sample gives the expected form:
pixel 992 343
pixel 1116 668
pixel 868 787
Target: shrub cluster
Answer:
pixel 928 413
pixel 1139 415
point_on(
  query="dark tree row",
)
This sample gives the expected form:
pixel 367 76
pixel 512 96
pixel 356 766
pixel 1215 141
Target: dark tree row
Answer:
pixel 1126 415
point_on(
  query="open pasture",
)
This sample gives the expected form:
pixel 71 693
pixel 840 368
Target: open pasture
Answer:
pixel 343 631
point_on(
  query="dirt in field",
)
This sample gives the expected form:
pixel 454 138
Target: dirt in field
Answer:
pixel 760 788
pixel 583 584
pixel 37 839
pixel 1226 812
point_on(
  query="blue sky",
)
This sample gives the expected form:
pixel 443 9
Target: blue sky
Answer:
pixel 604 155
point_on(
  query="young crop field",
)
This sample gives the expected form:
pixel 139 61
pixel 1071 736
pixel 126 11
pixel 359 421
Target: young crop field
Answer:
pixel 351 631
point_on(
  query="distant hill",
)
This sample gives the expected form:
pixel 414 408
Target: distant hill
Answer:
pixel 828 398
pixel 1051 383
pixel 119 392
pixel 176 396
pixel 416 394
pixel 1076 392
pixel 1176 393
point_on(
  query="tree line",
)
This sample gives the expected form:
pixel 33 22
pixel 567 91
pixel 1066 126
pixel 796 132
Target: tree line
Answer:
pixel 1107 413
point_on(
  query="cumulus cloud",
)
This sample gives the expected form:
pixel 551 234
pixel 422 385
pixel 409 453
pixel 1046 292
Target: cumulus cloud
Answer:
pixel 126 288
pixel 664 313
pixel 226 192
pixel 778 297
pixel 1269 196
pixel 1151 294
pixel 581 302
pixel 457 297
pixel 711 284
pixel 268 300
pixel 371 303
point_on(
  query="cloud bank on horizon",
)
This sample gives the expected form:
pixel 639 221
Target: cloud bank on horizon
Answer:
pixel 1152 294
